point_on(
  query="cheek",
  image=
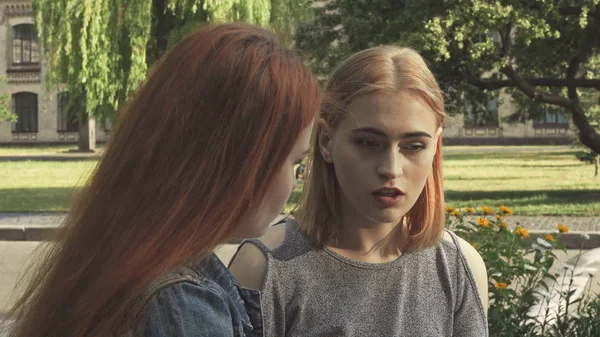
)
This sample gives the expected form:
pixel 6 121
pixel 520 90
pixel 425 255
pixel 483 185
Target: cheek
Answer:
pixel 348 161
pixel 421 169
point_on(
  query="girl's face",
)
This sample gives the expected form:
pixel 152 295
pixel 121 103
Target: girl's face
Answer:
pixel 382 154
pixel 279 191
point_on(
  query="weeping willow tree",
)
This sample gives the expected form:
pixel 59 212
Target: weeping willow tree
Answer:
pixel 100 50
pixel 6 114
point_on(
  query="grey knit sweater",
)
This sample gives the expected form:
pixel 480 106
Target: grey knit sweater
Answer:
pixel 313 291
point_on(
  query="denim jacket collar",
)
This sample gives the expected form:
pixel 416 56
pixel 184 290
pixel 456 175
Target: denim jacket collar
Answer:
pixel 215 270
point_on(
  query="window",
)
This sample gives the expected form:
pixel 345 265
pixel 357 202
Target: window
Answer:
pixel 26 48
pixel 552 116
pixel 482 115
pixel 25 106
pixel 108 125
pixel 66 121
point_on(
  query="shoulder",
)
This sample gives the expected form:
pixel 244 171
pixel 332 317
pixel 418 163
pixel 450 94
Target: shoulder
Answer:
pixel 475 264
pixel 189 308
pixel 249 264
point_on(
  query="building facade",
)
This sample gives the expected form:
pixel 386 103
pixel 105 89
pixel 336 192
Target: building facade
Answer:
pixel 39 110
pixel 41 117
pixel 554 127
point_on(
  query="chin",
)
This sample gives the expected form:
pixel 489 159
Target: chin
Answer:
pixel 387 216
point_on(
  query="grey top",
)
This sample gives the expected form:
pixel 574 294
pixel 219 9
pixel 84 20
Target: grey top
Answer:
pixel 313 291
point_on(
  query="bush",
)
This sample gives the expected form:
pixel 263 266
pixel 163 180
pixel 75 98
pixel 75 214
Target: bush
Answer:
pixel 526 298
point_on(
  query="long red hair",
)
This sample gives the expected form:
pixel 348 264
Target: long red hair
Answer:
pixel 191 157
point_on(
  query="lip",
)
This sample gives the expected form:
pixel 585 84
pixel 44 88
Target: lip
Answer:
pixel 388 190
pixel 387 196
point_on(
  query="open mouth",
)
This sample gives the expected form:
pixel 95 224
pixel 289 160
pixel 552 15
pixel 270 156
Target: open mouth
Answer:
pixel 388 196
pixel 388 192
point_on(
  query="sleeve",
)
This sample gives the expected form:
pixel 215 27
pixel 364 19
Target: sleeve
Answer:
pixel 185 309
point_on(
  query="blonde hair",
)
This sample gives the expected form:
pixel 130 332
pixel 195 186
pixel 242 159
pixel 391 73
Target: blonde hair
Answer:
pixel 388 70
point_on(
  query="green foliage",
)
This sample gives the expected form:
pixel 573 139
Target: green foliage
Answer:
pixel 99 53
pixel 522 279
pixel 102 52
pixel 465 41
pixel 6 114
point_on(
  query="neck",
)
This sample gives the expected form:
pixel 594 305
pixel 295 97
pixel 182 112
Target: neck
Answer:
pixel 369 241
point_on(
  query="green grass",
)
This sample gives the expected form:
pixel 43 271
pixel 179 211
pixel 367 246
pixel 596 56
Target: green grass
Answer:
pixel 36 186
pixel 529 180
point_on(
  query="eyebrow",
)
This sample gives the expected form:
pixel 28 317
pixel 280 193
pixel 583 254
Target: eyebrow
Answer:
pixel 403 135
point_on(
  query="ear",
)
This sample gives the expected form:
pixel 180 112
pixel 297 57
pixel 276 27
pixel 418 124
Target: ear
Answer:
pixel 438 135
pixel 325 140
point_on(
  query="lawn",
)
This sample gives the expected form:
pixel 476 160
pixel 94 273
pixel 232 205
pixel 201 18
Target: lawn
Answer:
pixel 41 185
pixel 530 180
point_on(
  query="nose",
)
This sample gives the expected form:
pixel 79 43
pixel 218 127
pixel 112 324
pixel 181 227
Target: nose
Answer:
pixel 390 164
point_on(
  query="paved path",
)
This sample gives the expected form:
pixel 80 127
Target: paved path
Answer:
pixel 505 149
pixel 38 226
pixel 548 223
pixel 52 156
pixel 535 223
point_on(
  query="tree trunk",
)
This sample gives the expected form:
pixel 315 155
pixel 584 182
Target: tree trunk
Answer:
pixel 596 164
pixel 162 28
pixel 87 134
pixel 587 133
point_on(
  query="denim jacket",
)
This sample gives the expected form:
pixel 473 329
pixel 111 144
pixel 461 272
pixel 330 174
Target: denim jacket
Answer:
pixel 201 300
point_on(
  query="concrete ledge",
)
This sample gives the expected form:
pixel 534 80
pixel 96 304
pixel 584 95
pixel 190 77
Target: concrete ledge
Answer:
pixel 574 240
pixel 12 233
pixel 45 233
pixel 40 233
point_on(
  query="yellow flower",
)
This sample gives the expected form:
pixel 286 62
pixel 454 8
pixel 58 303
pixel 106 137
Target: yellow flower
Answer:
pixel 502 225
pixel 486 210
pixel 456 213
pixel 483 222
pixel 500 285
pixel 470 210
pixel 550 237
pixel 522 232
pixel 475 245
pixel 562 228
pixel 499 217
pixel 450 209
pixel 506 210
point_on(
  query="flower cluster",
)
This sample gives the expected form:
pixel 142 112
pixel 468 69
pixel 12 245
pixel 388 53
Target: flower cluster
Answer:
pixel 519 264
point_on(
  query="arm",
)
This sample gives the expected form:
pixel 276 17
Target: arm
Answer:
pixel 249 264
pixel 470 315
pixel 185 309
pixel 478 270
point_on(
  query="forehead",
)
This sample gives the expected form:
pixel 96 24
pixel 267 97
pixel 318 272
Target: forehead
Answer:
pixel 391 113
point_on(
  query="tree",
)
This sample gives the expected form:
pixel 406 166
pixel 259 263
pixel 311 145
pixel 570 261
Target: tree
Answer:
pixel 547 51
pixel 100 50
pixel 6 114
